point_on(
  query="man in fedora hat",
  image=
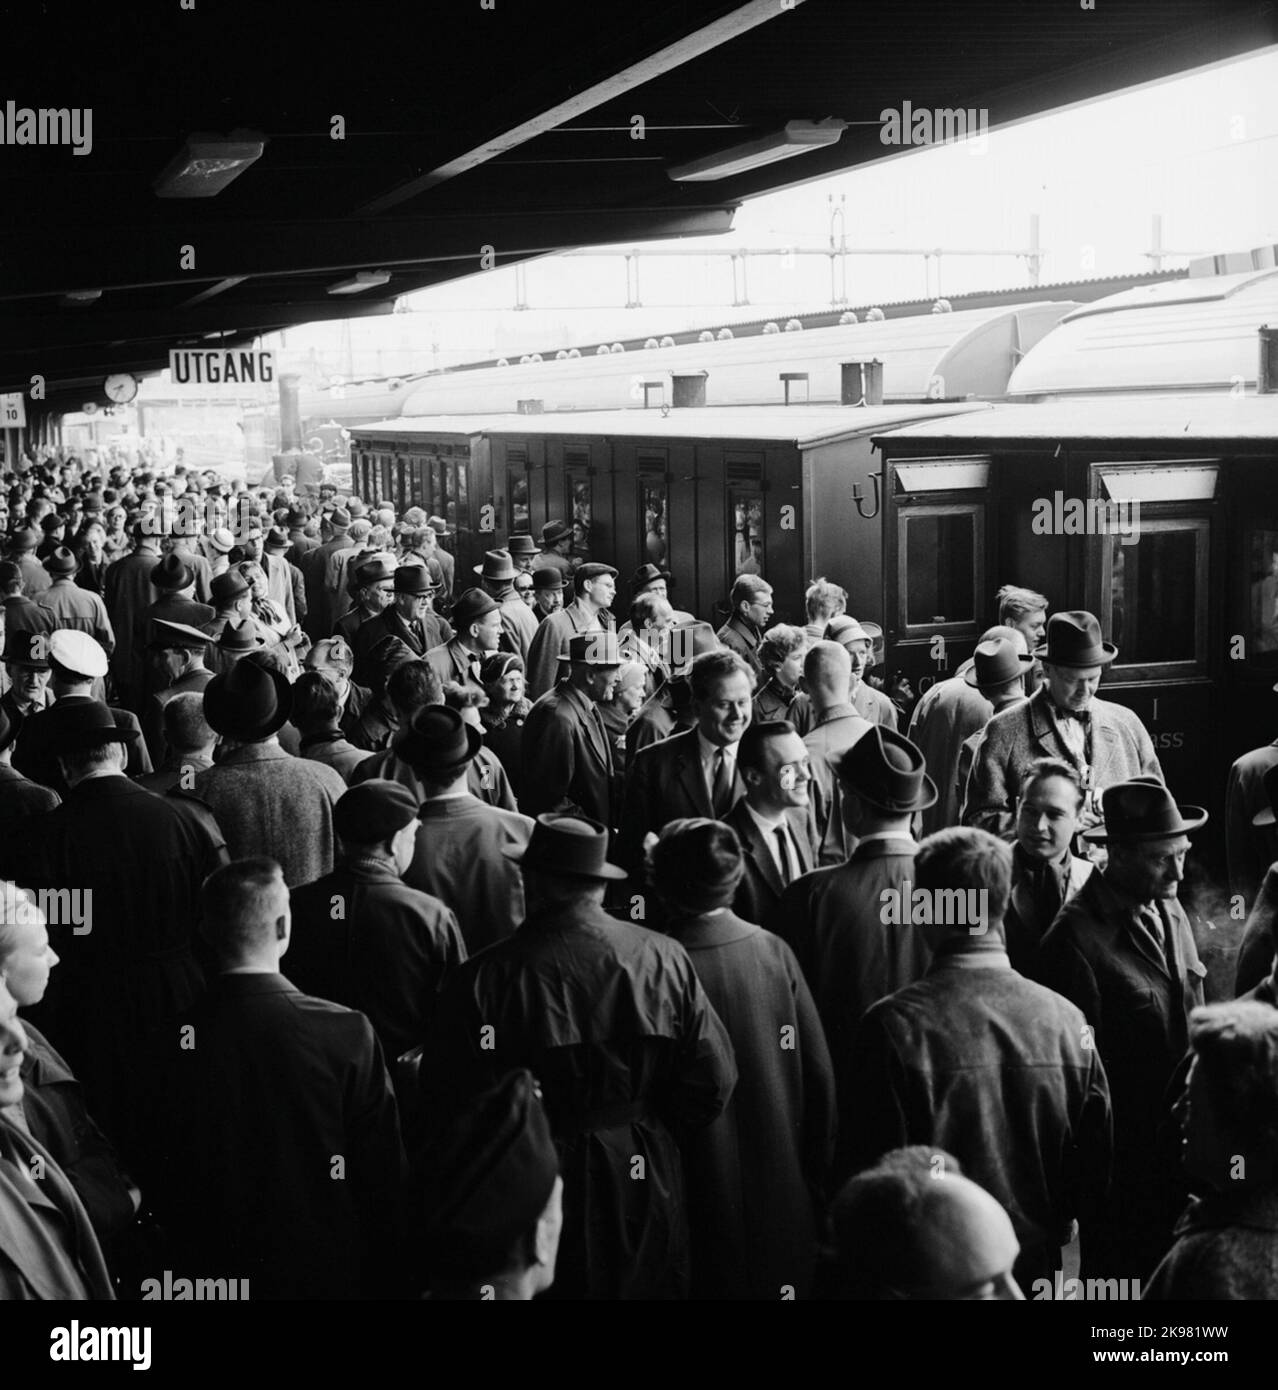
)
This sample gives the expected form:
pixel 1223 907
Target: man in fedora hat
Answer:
pixel 477 633
pixel 868 702
pixel 773 820
pixel 128 592
pixel 556 547
pixel 692 772
pixel 71 606
pixel 751 605
pixel 833 919
pixel 948 713
pixel 777 1134
pixel 523 551
pixel 314 564
pixel 459 855
pixel 568 764
pixel 1105 742
pixel 437 554
pixel 998 671
pixel 595 589
pixel 410 617
pixel 26 667
pixel 652 579
pixel 174 578
pixel 496 578
pixel 936 1062
pixel 548 593
pixel 836 726
pixel 76 664
pixel 266 801
pixel 128 967
pixel 627 1048
pixel 179 650
pixel 1251 844
pixel 361 936
pixel 233 601
pixel 372 593
pixel 1123 951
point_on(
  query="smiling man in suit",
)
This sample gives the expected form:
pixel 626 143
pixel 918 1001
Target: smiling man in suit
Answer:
pixel 693 773
pixel 774 819
pixel 1106 743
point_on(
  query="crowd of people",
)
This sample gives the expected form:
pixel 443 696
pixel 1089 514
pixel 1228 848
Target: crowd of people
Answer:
pixel 375 925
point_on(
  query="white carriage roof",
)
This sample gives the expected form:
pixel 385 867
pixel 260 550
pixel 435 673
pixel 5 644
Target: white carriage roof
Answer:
pixel 1179 335
pixel 1171 418
pixel 802 425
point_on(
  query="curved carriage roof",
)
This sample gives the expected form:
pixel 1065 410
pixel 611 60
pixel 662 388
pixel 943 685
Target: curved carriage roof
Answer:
pixel 927 356
pixel 1184 335
pixel 804 426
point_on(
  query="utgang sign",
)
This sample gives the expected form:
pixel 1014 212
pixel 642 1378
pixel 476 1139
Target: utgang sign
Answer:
pixel 220 367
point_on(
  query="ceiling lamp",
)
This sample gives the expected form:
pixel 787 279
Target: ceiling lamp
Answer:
pixel 207 163
pixel 359 282
pixel 82 297
pixel 798 137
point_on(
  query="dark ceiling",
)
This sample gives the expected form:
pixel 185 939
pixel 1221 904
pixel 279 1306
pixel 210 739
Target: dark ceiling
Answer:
pixel 468 127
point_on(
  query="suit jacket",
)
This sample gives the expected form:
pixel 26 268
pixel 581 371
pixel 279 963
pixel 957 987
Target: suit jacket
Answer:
pixel 761 885
pixel 384 951
pixel 174 608
pixel 742 637
pixel 459 861
pixel 665 783
pixel 453 662
pixel 305 1080
pixel 947 713
pixel 433 631
pixel 77 608
pixel 270 803
pixel 835 732
pixel 1137 1006
pixel 552 637
pixel 568 758
pixel 22 614
pixel 1251 848
pixel 1027 920
pixel 777 1134
pixel 668 710
pixel 1120 750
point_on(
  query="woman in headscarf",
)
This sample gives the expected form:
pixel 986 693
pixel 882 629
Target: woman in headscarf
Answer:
pixel 502 676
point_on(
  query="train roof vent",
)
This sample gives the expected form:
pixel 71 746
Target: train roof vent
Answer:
pixel 1267 376
pixel 530 407
pixel 1234 262
pixel 862 382
pixel 688 389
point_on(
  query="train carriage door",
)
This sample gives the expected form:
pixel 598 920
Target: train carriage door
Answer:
pixel 579 505
pixel 936 572
pixel 762 532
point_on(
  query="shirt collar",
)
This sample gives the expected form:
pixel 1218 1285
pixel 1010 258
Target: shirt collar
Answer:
pixel 766 823
pixel 885 835
pixel 707 750
pixel 971 958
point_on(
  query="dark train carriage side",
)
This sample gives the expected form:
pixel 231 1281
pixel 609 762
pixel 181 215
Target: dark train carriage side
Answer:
pixel 709 492
pixel 1187 594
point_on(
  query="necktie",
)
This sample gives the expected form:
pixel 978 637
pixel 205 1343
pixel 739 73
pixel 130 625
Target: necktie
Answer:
pixel 721 791
pixel 1152 925
pixel 784 854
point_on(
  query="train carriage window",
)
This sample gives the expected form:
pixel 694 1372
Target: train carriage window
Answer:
pixel 747 539
pixel 940 559
pixel 580 512
pixel 450 486
pixel 1152 580
pixel 1262 594
pixel 436 484
pixel 654 500
pixel 520 513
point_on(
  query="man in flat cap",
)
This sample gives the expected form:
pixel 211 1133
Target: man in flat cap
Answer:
pixel 283 1161
pixel 264 799
pixel 76 663
pixel 595 587
pixel 998 671
pixel 26 668
pixel 1105 742
pixel 73 607
pixel 410 617
pixel 476 620
pixel 134 863
pixel 497 578
pixel 488 1199
pixel 568 764
pixel 1123 951
pixel 627 1048
pixel 179 651
pixel 361 936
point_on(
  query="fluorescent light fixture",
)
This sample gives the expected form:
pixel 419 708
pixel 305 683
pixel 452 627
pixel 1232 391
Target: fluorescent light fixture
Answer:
pixel 798 137
pixel 207 163
pixel 362 280
pixel 82 296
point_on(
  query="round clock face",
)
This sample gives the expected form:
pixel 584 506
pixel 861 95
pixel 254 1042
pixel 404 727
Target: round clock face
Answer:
pixel 121 388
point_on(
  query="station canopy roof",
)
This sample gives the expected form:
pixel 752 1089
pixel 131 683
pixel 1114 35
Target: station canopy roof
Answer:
pixel 467 128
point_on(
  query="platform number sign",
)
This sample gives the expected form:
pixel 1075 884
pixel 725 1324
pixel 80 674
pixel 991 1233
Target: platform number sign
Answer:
pixel 13 414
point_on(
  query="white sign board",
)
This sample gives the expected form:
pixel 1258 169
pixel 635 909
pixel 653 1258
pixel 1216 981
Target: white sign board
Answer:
pixel 13 411
pixel 196 369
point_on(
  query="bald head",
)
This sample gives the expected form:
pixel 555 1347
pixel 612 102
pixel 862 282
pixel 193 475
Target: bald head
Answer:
pixel 1011 634
pixel 827 670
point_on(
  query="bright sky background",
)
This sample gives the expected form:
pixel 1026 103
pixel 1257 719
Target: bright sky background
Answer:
pixel 1201 150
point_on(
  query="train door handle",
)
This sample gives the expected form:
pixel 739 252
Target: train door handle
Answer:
pixel 859 498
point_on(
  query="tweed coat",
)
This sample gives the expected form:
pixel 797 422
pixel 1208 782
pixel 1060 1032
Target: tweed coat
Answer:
pixel 568 762
pixel 73 607
pixel 552 637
